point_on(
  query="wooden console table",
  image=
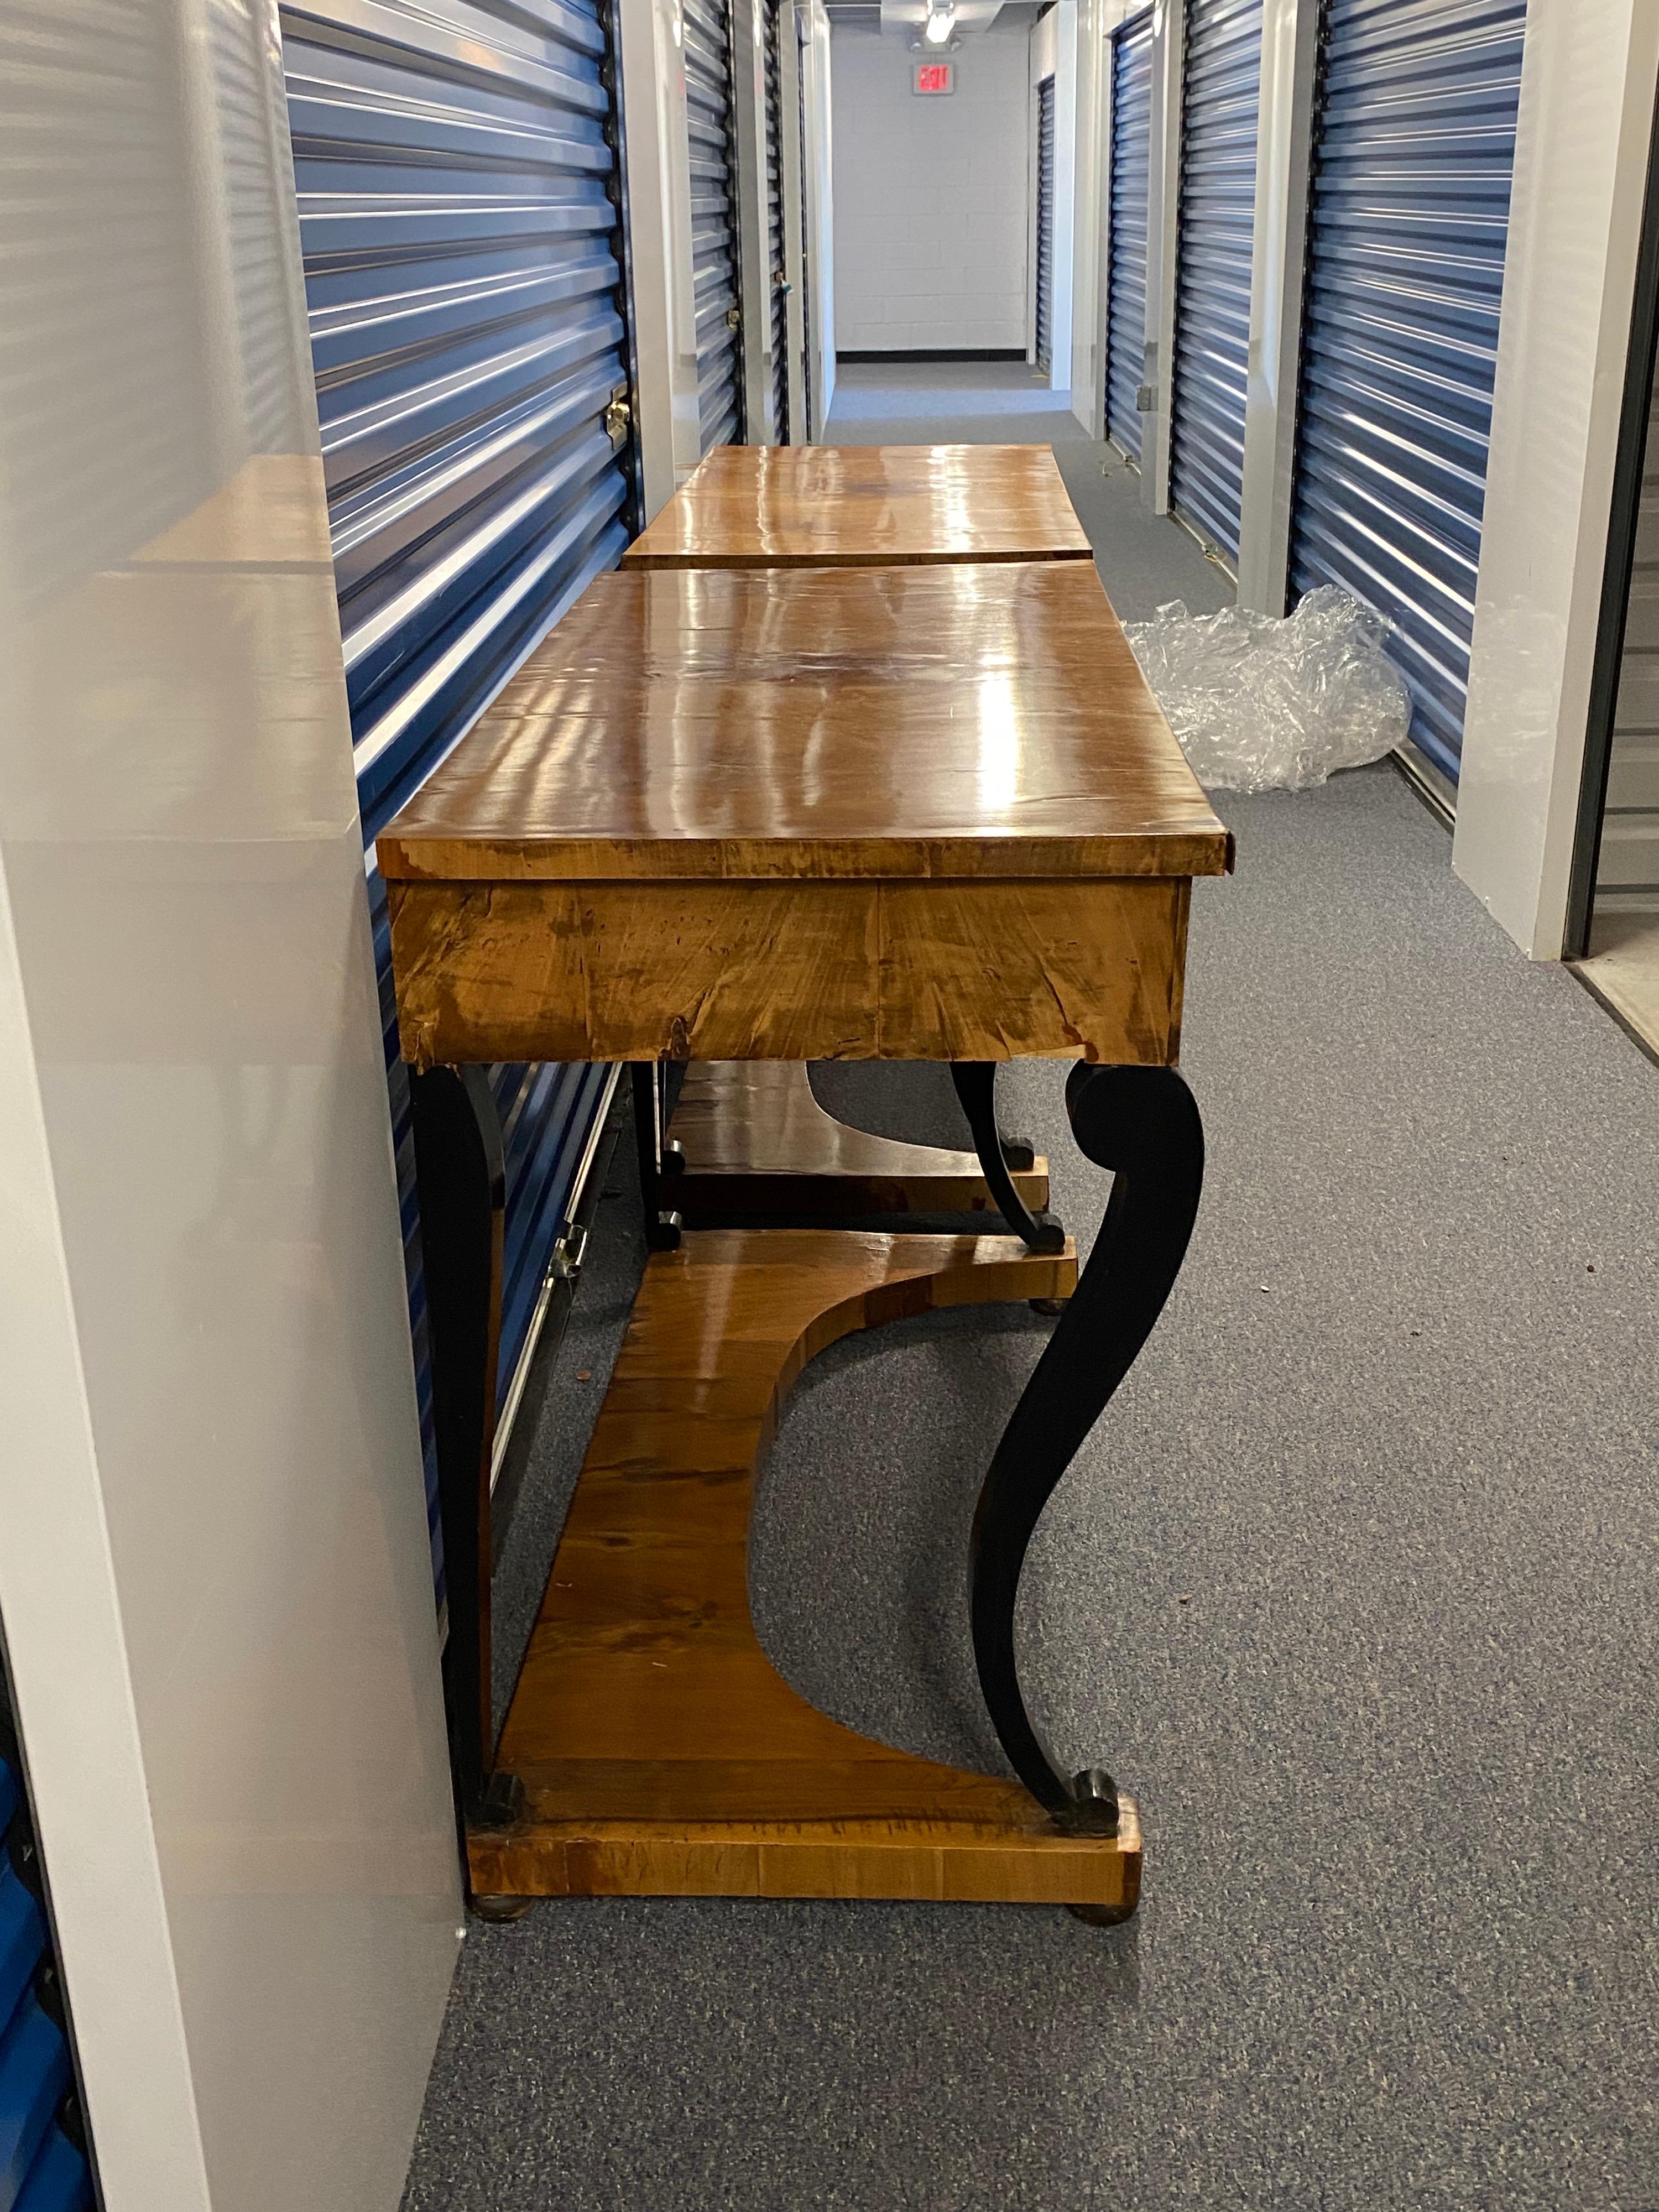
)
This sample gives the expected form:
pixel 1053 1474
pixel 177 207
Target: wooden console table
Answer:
pixel 929 812
pixel 816 506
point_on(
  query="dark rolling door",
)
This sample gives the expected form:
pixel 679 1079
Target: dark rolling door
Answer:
pixel 1045 226
pixel 463 265
pixel 1413 150
pixel 805 431
pixel 1126 288
pixel 779 25
pixel 709 112
pixel 43 2161
pixel 1220 95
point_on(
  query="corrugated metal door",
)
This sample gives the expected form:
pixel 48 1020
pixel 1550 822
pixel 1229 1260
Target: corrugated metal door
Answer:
pixel 709 123
pixel 1220 95
pixel 1627 868
pixel 803 47
pixel 1414 147
pixel 1125 289
pixel 1045 226
pixel 42 2158
pixel 462 271
pixel 779 25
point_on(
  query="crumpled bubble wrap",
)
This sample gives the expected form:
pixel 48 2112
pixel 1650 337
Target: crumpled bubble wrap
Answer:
pixel 1261 704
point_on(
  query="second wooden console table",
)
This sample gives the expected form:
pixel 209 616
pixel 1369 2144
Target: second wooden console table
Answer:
pixel 913 813
pixel 815 506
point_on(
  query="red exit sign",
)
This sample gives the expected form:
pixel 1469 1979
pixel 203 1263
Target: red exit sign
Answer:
pixel 935 76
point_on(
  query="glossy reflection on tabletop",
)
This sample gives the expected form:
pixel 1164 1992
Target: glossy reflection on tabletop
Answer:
pixel 865 721
pixel 861 506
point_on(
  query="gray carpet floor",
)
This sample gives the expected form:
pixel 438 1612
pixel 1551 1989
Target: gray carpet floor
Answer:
pixel 1144 560
pixel 1354 1587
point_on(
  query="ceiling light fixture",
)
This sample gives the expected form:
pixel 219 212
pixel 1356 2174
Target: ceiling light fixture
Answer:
pixel 941 24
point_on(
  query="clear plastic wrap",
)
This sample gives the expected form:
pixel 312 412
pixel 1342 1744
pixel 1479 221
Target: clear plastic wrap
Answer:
pixel 1265 705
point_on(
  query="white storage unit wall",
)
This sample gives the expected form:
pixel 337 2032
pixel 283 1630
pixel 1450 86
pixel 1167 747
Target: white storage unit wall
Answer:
pixel 1127 192
pixel 1414 147
pixel 1220 88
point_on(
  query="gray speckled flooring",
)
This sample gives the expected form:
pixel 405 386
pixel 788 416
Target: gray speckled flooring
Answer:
pixel 1354 1586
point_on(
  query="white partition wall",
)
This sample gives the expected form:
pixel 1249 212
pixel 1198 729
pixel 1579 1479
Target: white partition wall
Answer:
pixel 657 159
pixel 1586 102
pixel 214 1582
pixel 1054 53
pixel 818 157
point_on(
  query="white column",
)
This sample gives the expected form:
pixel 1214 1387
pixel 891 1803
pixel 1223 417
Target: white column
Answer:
pixel 657 154
pixel 820 210
pixel 1587 98
pixel 1283 138
pixel 214 1579
pixel 1065 162
pixel 794 243
pixel 1088 223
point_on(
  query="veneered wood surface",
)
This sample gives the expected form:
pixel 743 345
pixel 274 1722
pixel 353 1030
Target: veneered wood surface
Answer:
pixel 779 506
pixel 924 723
pixel 756 1140
pixel 810 970
pixel 660 1751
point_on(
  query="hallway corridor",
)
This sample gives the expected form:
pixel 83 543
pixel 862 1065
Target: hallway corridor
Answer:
pixel 1353 1587
pixel 1144 559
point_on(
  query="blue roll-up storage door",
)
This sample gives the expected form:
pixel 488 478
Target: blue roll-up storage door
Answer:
pixel 712 136
pixel 1125 286
pixel 462 267
pixel 1412 151
pixel 780 25
pixel 43 2168
pixel 1045 226
pixel 1220 98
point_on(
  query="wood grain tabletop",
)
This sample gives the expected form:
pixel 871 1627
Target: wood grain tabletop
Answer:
pixel 858 506
pixel 957 721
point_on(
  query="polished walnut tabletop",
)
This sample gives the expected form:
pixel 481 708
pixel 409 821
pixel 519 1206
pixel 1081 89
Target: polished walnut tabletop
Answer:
pixel 859 506
pixel 965 721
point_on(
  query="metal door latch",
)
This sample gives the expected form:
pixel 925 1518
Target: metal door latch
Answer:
pixel 569 1251
pixel 1146 400
pixel 618 417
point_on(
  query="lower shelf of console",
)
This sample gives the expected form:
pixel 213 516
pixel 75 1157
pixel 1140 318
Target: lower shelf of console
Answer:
pixel 659 1752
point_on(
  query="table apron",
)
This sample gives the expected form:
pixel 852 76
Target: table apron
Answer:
pixel 1085 968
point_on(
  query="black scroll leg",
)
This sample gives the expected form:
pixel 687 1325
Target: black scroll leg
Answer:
pixel 1143 1124
pixel 975 1082
pixel 660 1158
pixel 461 1183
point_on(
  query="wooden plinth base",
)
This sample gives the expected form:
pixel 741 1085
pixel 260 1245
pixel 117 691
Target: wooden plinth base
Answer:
pixel 659 1752
pixel 756 1141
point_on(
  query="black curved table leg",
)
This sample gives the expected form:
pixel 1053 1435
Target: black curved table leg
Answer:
pixel 975 1082
pixel 1143 1124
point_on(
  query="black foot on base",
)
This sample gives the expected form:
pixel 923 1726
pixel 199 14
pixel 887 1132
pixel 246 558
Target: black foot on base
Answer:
pixel 499 1910
pixel 1050 1309
pixel 1103 1915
